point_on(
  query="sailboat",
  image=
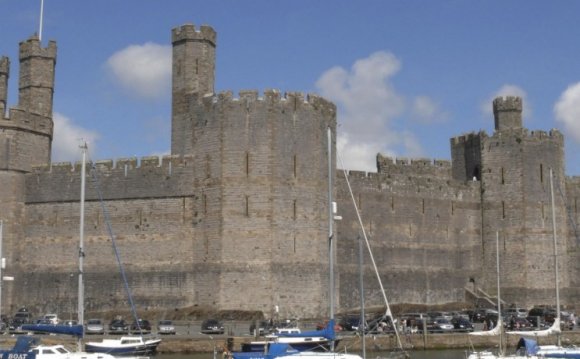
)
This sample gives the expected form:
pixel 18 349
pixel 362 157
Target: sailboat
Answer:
pixel 549 351
pixel 60 351
pixel 284 350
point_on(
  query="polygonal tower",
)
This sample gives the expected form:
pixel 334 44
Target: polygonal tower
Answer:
pixel 516 206
pixel 193 75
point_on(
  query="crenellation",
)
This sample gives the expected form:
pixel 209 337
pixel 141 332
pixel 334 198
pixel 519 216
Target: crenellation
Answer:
pixel 188 32
pixel 126 163
pixel 150 161
pixel 104 165
pixel 61 167
pixel 32 48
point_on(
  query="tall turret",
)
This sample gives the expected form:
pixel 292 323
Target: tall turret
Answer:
pixel 507 112
pixel 193 77
pixel 26 135
pixel 4 73
pixel 36 85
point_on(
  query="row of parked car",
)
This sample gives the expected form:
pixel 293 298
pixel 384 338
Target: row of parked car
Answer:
pixel 120 326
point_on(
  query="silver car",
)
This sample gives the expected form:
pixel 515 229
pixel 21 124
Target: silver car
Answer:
pixel 95 326
pixel 165 327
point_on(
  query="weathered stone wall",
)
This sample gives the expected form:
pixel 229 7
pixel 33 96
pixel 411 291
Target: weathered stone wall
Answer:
pixel 423 232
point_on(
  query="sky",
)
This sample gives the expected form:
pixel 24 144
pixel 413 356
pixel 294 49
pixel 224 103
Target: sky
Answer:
pixel 406 75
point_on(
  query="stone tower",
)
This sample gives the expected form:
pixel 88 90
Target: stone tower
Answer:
pixel 193 77
pixel 25 135
pixel 516 204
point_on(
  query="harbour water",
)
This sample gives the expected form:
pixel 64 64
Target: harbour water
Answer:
pixel 415 354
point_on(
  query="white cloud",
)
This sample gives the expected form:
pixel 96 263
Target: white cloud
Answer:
pixel 425 110
pixel 67 138
pixel 508 90
pixel 143 70
pixel 367 105
pixel 567 111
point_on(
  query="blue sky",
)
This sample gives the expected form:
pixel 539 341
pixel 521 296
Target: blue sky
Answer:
pixel 406 75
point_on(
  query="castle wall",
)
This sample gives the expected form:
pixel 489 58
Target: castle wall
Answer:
pixel 424 233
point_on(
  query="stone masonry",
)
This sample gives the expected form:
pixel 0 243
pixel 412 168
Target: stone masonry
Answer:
pixel 236 217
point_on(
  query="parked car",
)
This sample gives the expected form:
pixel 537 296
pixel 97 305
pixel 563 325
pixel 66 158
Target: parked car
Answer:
pixel 141 326
pixel 441 324
pixel 350 322
pixel 165 327
pixel 95 326
pixel 519 324
pixel 461 324
pixel 118 326
pixel 51 318
pixel 263 327
pixel 212 326
pixel 516 312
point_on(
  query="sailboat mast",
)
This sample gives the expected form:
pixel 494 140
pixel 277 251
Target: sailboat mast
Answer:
pixel 330 233
pixel 555 250
pixel 81 237
pixel 499 321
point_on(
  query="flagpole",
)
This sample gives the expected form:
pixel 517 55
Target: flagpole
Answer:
pixel 41 15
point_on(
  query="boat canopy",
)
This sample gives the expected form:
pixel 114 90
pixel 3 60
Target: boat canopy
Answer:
pixel 327 332
pixel 74 330
pixel 530 346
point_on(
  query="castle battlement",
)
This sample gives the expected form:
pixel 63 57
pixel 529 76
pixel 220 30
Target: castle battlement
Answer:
pixel 121 164
pixel 468 137
pixel 413 167
pixel 507 103
pixel 188 32
pixel 271 97
pixel 32 48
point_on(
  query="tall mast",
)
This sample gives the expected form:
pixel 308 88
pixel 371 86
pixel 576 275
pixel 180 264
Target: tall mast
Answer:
pixel 555 252
pixel 41 15
pixel 330 234
pixel 499 321
pixel 81 298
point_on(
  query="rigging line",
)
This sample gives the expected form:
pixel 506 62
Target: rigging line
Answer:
pixel 96 183
pixel 568 211
pixel 389 313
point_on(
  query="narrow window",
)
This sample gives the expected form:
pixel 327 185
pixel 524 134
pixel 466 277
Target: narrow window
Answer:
pixel 393 203
pixel 247 206
pixel 204 199
pixel 294 243
pixel 541 173
pixel 196 66
pixel 294 210
pixel 502 177
pixel 295 166
pixel 207 167
pixel 423 206
pixel 247 164
pixel 359 202
pixel 502 209
pixel 452 207
pixel 543 214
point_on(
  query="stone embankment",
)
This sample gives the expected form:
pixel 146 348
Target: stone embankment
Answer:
pixel 385 342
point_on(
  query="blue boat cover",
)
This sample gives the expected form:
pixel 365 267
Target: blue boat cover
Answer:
pixel 327 332
pixel 75 330
pixel 529 345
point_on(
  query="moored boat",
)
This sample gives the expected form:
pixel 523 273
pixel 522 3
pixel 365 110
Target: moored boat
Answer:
pixel 124 346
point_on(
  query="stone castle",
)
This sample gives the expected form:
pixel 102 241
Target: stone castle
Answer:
pixel 236 218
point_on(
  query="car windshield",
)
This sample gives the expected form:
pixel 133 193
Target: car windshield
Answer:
pixel 165 322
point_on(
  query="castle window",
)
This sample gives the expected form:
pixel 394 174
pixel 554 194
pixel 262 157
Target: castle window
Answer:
pixel 247 205
pixel 502 176
pixel 294 210
pixel 393 203
pixel 423 206
pixel 452 207
pixel 196 66
pixel 204 203
pixel 295 165
pixel 207 167
pixel 502 209
pixel 542 208
pixel 247 164
pixel 541 173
